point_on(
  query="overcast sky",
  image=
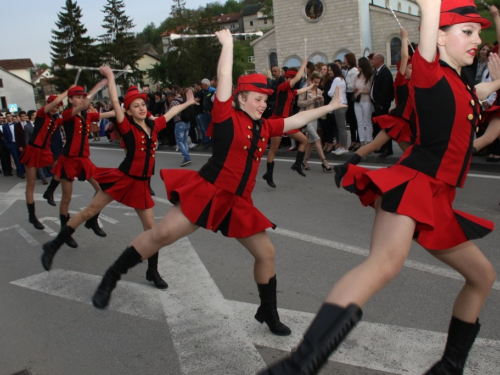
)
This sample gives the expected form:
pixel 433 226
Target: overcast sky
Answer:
pixel 26 25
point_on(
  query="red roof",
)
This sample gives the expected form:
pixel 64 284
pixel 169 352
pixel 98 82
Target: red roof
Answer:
pixel 227 18
pixel 16 64
pixel 177 30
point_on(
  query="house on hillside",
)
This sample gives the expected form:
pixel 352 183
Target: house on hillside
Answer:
pixel 41 73
pixel 229 21
pixel 325 30
pixel 15 91
pixel 19 67
pixel 148 57
pixel 253 19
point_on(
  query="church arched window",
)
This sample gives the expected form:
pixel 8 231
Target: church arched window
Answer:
pixel 273 59
pixel 394 50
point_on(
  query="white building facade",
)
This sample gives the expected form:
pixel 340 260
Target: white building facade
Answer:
pixel 325 30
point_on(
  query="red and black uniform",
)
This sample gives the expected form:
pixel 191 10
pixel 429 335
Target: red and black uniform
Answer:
pixel 285 98
pixel 129 183
pixel 399 124
pixel 218 197
pixel 422 184
pixel 74 161
pixel 37 153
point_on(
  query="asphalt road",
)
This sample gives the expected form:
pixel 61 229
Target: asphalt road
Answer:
pixel 203 324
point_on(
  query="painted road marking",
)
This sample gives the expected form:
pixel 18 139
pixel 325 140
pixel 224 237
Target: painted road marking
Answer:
pixel 435 270
pixel 22 232
pixel 388 348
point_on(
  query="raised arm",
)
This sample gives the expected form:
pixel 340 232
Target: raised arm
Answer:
pixel 89 97
pixel 176 109
pixel 225 66
pixel 49 107
pixel 404 51
pixel 429 28
pixel 496 20
pixel 485 89
pixel 113 93
pixel 304 89
pixel 304 117
pixel 299 74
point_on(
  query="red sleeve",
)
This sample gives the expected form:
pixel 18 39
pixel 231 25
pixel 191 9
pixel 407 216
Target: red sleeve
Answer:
pixel 425 74
pixel 67 114
pixel 275 127
pixel 93 116
pixel 222 110
pixel 400 80
pixel 160 124
pixel 41 112
pixel 124 126
pixel 285 86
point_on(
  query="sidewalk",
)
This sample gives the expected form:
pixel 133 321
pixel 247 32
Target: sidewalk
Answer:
pixel 478 163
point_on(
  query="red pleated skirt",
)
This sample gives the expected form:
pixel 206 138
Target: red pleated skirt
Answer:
pixel 428 201
pixel 397 128
pixel 213 208
pixel 488 115
pixel 36 157
pixel 71 167
pixel 124 188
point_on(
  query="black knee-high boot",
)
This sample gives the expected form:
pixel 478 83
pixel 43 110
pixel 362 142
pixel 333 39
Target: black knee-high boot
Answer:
pixel 461 336
pixel 32 217
pixel 268 309
pixel 268 176
pixel 152 273
pixel 50 248
pixel 69 240
pixel 330 326
pixel 297 166
pixel 93 224
pixel 49 193
pixel 128 259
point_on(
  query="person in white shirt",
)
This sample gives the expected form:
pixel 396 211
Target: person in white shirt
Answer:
pixel 339 81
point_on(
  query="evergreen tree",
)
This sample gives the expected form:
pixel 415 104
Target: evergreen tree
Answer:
pixel 70 45
pixel 118 45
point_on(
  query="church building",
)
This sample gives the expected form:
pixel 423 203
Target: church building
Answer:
pixel 325 30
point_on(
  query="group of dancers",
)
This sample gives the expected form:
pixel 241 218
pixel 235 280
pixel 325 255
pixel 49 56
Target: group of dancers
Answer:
pixel 434 121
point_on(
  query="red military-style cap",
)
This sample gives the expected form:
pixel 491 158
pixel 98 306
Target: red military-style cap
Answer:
pixel 77 90
pixel 398 65
pixel 253 82
pixel 461 11
pixel 132 94
pixel 51 98
pixel 290 73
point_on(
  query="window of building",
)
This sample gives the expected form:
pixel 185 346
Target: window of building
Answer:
pixel 251 23
pixel 399 6
pixel 4 102
pixel 1 82
pixel 395 49
pixel 273 59
pixel 317 57
pixel 293 61
pixel 265 21
pixel 313 10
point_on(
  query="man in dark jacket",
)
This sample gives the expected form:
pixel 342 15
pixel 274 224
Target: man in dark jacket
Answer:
pixel 382 94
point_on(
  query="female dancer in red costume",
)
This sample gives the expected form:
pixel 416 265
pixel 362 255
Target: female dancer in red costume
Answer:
pixel 129 183
pixel 285 96
pixel 74 161
pixel 218 197
pixel 37 153
pixel 414 198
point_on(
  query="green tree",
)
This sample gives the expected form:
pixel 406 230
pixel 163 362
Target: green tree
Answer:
pixel 118 44
pixel 70 45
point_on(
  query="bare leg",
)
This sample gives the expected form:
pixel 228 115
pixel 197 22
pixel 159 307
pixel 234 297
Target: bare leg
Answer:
pixel 30 184
pixel 479 276
pixel 390 244
pixel 172 227
pixel 301 138
pixel 261 248
pixel 67 191
pixel 94 184
pixel 147 218
pixel 275 145
pixel 100 200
